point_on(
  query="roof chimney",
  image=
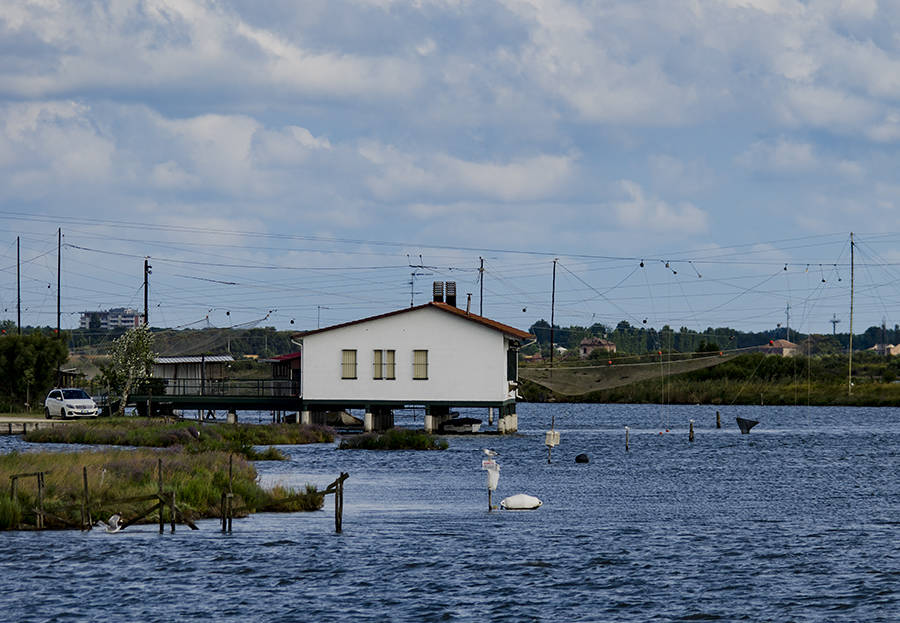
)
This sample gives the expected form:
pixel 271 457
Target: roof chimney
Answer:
pixel 451 293
pixel 439 292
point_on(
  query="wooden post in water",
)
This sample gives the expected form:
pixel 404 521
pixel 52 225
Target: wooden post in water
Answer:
pixel 172 510
pixel 86 521
pixel 40 495
pixel 159 492
pixel 626 439
pixel 337 506
pixel 718 420
pixel 230 490
pixel 691 433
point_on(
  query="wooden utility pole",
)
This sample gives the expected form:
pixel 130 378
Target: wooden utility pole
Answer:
pixel 481 285
pixel 18 287
pixel 553 309
pixel 850 366
pixel 147 268
pixel 58 278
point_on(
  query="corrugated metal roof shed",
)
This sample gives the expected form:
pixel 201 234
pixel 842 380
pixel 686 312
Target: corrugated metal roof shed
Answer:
pixel 194 359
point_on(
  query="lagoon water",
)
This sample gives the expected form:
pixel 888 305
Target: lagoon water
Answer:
pixel 797 521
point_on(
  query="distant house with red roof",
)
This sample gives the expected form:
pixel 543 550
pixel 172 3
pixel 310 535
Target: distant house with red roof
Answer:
pixel 590 344
pixel 780 347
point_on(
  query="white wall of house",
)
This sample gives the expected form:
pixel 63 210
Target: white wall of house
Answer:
pixel 466 360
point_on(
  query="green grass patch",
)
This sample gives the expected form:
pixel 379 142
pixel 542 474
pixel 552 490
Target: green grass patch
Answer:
pixel 394 439
pixel 192 436
pixel 198 479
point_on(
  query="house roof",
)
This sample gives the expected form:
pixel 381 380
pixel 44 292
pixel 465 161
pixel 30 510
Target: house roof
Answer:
pixel 450 309
pixel 596 341
pixel 781 344
pixel 281 358
pixel 194 359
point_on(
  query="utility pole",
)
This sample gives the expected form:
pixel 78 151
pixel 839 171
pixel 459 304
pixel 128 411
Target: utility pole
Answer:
pixel 58 277
pixel 58 298
pixel 787 313
pixel 552 309
pixel 18 287
pixel 147 273
pixel 850 365
pixel 319 309
pixel 481 284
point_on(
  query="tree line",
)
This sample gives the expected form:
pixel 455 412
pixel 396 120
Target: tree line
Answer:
pixel 638 340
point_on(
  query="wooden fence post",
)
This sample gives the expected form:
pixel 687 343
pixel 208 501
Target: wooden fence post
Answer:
pixel 159 492
pixel 40 489
pixel 86 521
pixel 337 506
pixel 230 489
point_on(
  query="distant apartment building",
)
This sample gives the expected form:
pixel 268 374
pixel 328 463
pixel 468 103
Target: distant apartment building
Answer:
pixel 115 318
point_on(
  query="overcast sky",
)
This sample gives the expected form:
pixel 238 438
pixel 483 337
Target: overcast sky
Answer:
pixel 300 160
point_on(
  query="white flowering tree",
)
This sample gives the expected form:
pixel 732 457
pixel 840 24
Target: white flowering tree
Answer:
pixel 131 361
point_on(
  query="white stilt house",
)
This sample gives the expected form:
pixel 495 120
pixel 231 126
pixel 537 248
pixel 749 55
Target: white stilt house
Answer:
pixel 435 356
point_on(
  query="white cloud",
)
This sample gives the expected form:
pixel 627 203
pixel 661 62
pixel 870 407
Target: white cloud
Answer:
pixel 291 146
pixel 784 157
pixel 524 179
pixel 676 175
pixel 780 156
pixel 639 212
pixel 571 61
pixel 183 45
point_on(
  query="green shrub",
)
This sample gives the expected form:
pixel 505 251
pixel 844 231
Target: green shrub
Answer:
pixel 394 439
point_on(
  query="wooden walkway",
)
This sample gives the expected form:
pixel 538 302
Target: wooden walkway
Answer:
pixel 18 425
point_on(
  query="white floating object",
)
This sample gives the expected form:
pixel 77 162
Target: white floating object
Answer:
pixel 552 438
pixel 520 502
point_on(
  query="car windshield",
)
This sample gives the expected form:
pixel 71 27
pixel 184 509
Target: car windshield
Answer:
pixel 75 394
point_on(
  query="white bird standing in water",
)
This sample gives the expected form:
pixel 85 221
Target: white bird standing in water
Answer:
pixel 491 453
pixel 113 525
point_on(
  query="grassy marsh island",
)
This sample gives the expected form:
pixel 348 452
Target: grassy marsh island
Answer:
pixel 394 439
pixel 192 436
pixel 198 478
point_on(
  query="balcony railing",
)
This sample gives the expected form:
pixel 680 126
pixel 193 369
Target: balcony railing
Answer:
pixel 255 388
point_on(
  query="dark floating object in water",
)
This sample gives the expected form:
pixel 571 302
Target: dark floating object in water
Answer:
pixel 746 425
pixel 461 425
pixel 582 458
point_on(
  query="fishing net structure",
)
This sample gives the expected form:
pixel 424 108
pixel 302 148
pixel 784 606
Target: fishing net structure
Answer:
pixel 580 380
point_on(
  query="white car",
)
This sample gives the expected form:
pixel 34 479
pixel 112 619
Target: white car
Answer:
pixel 69 403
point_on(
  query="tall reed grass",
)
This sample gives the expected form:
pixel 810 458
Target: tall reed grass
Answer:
pixel 198 479
pixel 193 436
